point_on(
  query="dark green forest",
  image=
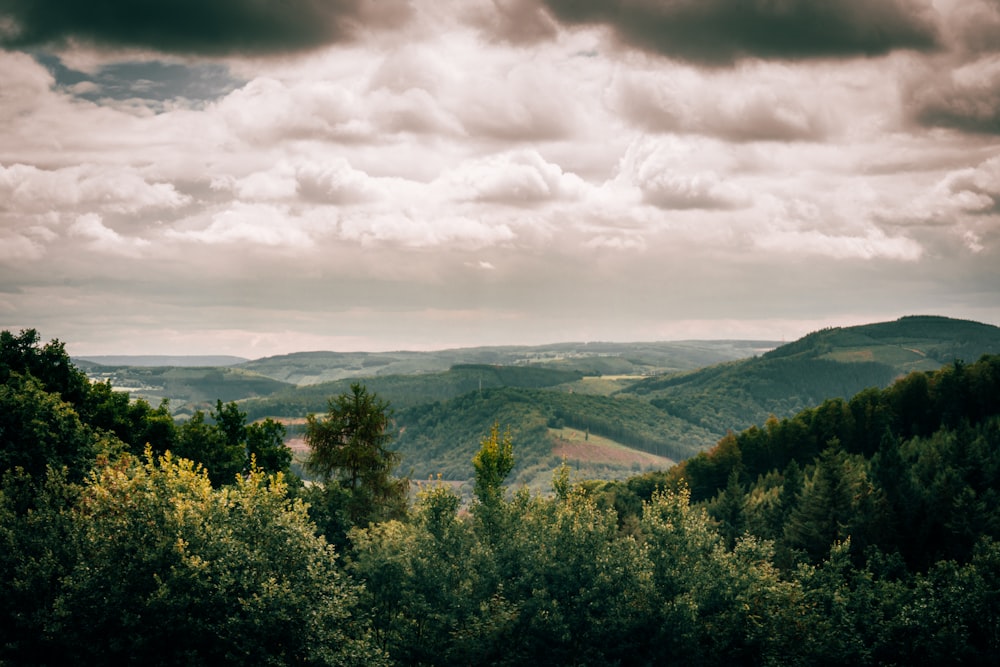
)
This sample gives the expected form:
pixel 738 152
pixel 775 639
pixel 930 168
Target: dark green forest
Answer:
pixel 859 530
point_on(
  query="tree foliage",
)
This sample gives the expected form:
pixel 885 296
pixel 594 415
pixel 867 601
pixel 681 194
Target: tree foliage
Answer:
pixel 164 569
pixel 861 531
pixel 350 447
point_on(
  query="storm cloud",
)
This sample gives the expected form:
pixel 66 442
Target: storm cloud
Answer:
pixel 719 32
pixel 216 27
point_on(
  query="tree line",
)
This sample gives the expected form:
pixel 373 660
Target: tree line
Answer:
pixel 857 532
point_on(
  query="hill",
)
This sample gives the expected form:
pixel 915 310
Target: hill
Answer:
pixel 441 438
pixel 187 388
pixel 831 363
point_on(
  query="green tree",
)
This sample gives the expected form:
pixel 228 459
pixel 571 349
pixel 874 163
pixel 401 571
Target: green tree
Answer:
pixel 37 550
pixel 211 446
pixel 420 579
pixel 728 509
pixel 265 442
pixel 171 571
pixel 350 447
pixel 38 429
pixel 493 462
pixel 838 502
pixel 712 606
pixel 50 364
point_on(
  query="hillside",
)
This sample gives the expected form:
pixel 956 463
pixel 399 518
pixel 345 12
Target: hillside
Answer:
pixel 441 438
pixel 832 363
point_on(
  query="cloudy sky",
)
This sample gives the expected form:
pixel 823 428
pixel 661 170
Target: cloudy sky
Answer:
pixel 254 178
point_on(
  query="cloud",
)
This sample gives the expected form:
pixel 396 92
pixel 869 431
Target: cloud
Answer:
pixel 516 178
pixel 413 230
pixel 329 181
pixel 196 27
pixel 671 173
pixel 255 224
pixel 720 32
pixel 22 84
pixel 336 182
pixel 267 111
pixel 104 239
pixel 973 25
pixel 965 98
pixel 27 188
pixel 19 247
pixel 974 190
pixel 622 241
pixel 868 245
pixel 514 21
pixel 521 102
pixel 762 105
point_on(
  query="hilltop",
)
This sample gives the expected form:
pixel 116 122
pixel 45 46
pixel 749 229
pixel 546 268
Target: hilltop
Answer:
pixel 831 363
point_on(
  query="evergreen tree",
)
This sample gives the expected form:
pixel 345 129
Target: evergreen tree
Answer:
pixel 350 447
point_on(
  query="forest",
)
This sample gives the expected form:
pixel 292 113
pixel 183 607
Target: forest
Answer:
pixel 861 530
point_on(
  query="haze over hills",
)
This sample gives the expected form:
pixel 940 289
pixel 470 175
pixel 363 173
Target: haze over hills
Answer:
pixel 306 368
pixel 196 360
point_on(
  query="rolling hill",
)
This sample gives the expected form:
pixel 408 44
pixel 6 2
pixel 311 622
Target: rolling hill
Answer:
pixel 667 401
pixel 311 368
pixel 830 363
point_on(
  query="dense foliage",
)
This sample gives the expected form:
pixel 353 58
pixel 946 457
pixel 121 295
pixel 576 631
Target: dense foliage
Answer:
pixel 862 531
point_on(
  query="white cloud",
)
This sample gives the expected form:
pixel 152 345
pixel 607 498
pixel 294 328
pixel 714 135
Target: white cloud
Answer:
pixel 514 178
pixel 411 229
pixel 873 244
pixel 266 111
pixel 117 189
pixel 675 173
pixel 257 224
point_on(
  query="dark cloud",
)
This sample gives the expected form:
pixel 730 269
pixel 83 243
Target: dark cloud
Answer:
pixel 719 32
pixel 975 26
pixel 967 100
pixel 516 21
pixel 204 27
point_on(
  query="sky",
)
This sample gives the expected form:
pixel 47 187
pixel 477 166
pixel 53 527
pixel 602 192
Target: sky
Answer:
pixel 258 178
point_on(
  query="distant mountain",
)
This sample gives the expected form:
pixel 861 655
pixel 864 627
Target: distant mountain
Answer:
pixel 831 363
pixel 145 360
